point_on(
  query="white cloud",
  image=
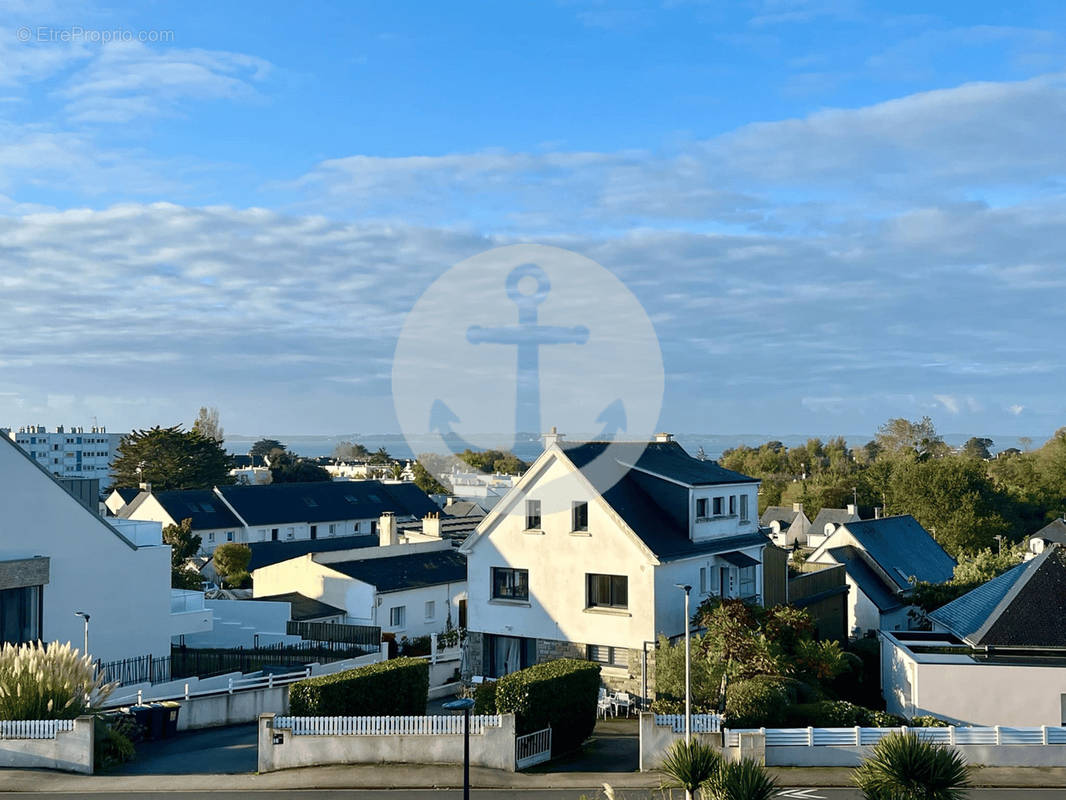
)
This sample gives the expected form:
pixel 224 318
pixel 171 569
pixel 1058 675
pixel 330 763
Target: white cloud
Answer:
pixel 948 402
pixel 1016 409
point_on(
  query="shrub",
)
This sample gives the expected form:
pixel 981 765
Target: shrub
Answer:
pixel 903 767
pixel 826 714
pixel 756 702
pixel 927 721
pixel 740 780
pixel 485 698
pixel 882 719
pixel 690 765
pixel 670 675
pixel 113 738
pixel 419 646
pixel 396 687
pixel 561 693
pixel 47 683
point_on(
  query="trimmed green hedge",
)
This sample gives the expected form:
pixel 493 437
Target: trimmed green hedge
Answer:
pixel 485 698
pixel 757 702
pixel 560 693
pixel 399 686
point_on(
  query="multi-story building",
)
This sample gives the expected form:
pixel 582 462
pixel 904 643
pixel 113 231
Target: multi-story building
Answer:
pixel 70 452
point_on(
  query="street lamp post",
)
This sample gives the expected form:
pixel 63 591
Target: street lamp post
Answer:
pixel 85 616
pixel 464 705
pixel 688 668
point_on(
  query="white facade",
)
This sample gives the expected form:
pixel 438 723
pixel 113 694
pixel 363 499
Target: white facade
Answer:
pixel 71 452
pixel 121 580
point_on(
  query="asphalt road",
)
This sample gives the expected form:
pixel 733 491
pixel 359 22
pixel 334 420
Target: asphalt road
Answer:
pixel 483 794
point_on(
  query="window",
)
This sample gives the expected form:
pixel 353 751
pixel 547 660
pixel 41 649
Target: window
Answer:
pixel 510 584
pixel 290 533
pixel 532 515
pixel 314 531
pixel 701 508
pixel 608 656
pixel 717 506
pixel 747 581
pixel 580 516
pixel 210 537
pixel 732 504
pixel 273 534
pixel 398 616
pixel 607 591
pixel 705 586
pixel 333 529
pixel 431 610
pixel 743 508
pixel 20 614
pixel 229 536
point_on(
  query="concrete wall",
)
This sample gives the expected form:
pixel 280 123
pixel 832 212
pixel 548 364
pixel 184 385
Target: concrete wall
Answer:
pixel 656 740
pixel 232 709
pixel 71 751
pixel 238 622
pixel 984 755
pixel 124 588
pixel 495 748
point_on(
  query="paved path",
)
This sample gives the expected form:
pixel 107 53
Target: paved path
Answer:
pixel 223 751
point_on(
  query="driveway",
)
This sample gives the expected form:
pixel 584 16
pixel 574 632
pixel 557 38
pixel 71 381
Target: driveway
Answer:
pixel 228 751
pixel 613 747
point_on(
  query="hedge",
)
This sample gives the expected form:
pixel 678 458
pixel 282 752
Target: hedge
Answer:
pixel 485 698
pixel 396 687
pixel 561 693
pixel 757 702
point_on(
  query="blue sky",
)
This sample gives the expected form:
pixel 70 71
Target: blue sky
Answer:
pixel 834 213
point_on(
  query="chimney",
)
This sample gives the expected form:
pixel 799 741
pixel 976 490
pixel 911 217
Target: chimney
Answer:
pixel 145 487
pixel 662 438
pixel 552 437
pixel 387 529
pixel 878 512
pixel 797 507
pixel 431 524
pixel 853 509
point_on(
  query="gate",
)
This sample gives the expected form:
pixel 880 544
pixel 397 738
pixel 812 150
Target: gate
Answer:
pixel 533 748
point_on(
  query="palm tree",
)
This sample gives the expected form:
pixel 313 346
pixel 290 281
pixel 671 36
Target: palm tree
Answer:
pixel 904 767
pixel 690 765
pixel 740 780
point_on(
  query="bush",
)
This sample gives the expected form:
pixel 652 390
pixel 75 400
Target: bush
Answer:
pixel 396 687
pixel 670 675
pixel 826 714
pixel 740 780
pixel 485 698
pixel 882 719
pixel 47 683
pixel 927 721
pixel 113 738
pixel 690 765
pixel 756 702
pixel 560 693
pixel 903 767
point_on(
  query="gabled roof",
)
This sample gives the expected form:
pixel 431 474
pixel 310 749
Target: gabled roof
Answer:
pixel 464 508
pixel 303 608
pixel 903 549
pixel 126 494
pixel 1054 531
pixel 202 506
pixel 397 573
pixel 266 553
pixel 1022 608
pixel 134 504
pixel 664 459
pixel 838 516
pixel 782 514
pixel 325 501
pixel 866 578
pixel 450 527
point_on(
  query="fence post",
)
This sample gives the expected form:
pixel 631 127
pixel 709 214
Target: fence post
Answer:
pixel 858 736
pixel 810 736
pixel 270 680
pixel 998 737
pixel 1043 734
pixel 140 697
pixel 231 685
pixel 432 648
pixel 186 691
pixel 951 735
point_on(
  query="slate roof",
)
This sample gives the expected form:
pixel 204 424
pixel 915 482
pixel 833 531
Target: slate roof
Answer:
pixel 303 608
pixel 397 573
pixel 202 506
pixel 837 516
pixel 464 508
pixel 450 527
pixel 1028 606
pixel 903 548
pixel 866 578
pixel 266 553
pixel 656 509
pixel 325 501
pixel 782 514
pixel 1054 531
pixel 127 494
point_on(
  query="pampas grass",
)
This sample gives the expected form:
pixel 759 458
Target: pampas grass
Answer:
pixel 48 682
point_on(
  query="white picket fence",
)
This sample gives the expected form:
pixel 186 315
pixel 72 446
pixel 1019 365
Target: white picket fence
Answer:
pixel 701 723
pixel 533 748
pixel 384 726
pixel 858 737
pixel 34 728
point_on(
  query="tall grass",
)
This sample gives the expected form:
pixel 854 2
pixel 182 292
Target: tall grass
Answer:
pixel 904 767
pixel 53 682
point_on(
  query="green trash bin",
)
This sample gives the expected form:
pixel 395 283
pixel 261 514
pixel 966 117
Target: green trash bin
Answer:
pixel 170 718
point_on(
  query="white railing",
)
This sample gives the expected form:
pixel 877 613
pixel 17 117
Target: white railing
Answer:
pixel 34 728
pixel 183 600
pixel 701 723
pixel 385 726
pixel 233 685
pixel 533 748
pixel 858 737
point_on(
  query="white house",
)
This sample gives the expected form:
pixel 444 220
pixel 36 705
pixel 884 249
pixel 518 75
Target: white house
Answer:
pixel 826 521
pixel 788 526
pixel 57 557
pixel 282 512
pixel 996 655
pixel 882 559
pixel 582 557
pixel 1052 533
pixel 70 452
pixel 406 589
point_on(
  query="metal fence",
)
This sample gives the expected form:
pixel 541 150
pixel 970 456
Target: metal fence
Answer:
pixel 859 737
pixel 34 728
pixel 368 636
pixel 701 723
pixel 203 662
pixel 385 726
pixel 533 748
pixel 141 669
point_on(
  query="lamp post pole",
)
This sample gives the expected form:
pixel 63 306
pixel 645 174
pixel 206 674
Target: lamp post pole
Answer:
pixel 464 705
pixel 85 618
pixel 688 669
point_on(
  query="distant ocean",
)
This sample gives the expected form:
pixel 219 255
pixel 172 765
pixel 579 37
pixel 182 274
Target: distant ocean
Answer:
pixel 529 447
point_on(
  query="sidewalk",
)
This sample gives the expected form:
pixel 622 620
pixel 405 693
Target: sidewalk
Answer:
pixel 416 776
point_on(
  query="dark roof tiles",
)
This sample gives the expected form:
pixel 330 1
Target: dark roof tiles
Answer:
pixel 413 571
